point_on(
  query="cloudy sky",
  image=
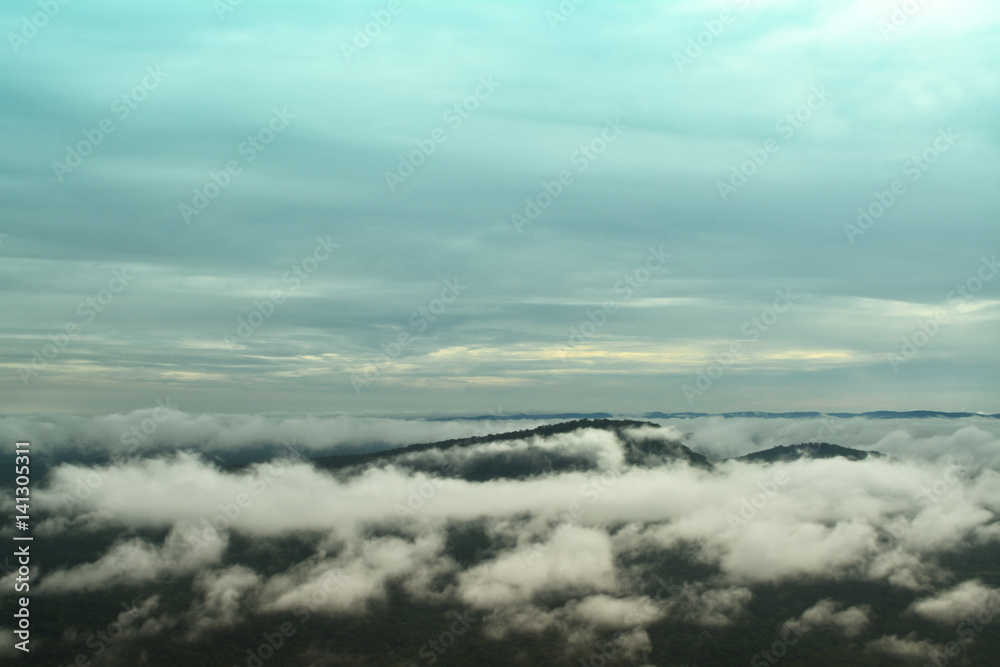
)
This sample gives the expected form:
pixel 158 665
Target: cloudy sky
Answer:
pixel 498 206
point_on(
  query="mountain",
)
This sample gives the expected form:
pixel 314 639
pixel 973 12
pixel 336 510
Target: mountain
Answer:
pixel 810 450
pixel 522 454
pixel 523 415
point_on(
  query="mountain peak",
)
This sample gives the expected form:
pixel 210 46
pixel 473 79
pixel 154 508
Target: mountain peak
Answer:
pixel 810 450
pixel 530 453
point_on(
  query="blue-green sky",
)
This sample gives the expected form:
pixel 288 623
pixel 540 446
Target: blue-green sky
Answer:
pixel 706 158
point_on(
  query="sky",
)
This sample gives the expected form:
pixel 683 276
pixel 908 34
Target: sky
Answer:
pixel 492 208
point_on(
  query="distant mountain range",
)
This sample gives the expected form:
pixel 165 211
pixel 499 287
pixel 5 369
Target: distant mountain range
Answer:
pixel 878 414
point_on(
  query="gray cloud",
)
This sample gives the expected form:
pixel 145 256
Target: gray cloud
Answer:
pixel 657 184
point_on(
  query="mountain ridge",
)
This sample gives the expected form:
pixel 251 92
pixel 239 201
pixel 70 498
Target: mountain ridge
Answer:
pixel 811 450
pixel 875 414
pixel 533 458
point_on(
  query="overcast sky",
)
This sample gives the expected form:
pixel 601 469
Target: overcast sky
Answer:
pixel 266 209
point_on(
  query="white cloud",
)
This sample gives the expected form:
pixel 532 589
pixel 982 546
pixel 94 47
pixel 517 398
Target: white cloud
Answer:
pixel 851 621
pixel 821 516
pixel 223 600
pixel 348 582
pixel 166 428
pixel 907 648
pixel 137 561
pixel 711 607
pixel 608 612
pixel 964 600
pixel 576 560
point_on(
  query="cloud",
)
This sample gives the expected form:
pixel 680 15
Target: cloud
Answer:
pixel 157 430
pixel 771 550
pixel 906 648
pixel 567 551
pixel 710 607
pixel 583 622
pixel 851 621
pixel 756 522
pixel 223 598
pixel 136 561
pixel 962 601
pixel 358 576
pixel 7 641
pixel 963 440
pixel 574 561
pixel 606 612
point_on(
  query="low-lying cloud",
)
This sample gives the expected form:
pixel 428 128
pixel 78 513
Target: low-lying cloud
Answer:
pixel 566 549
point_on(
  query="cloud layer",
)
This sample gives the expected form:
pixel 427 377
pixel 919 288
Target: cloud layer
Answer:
pixel 571 551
